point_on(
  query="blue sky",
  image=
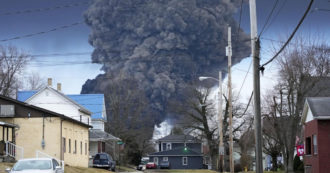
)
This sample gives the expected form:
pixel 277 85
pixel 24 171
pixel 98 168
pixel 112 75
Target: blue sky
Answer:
pixel 75 39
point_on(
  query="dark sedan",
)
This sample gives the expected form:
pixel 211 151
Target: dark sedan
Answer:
pixel 104 160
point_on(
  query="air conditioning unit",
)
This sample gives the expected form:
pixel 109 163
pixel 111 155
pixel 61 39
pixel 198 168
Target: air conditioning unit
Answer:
pixel 7 110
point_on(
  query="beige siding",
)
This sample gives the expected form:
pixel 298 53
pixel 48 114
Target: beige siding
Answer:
pixel 29 136
pixel 79 134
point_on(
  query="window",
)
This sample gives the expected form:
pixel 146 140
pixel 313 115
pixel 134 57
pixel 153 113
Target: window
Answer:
pixel 7 110
pixel 69 145
pixel 314 144
pixel 308 147
pixel 156 160
pixel 75 147
pixel 85 148
pixel 165 158
pixel 80 147
pixel 168 146
pixel 64 145
pixel 184 161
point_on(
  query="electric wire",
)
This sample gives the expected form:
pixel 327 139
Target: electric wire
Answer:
pixel 274 18
pixel 268 18
pixel 43 32
pixel 43 9
pixel 239 20
pixel 291 36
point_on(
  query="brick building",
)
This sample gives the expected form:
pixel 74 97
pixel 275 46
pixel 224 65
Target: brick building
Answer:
pixel 316 130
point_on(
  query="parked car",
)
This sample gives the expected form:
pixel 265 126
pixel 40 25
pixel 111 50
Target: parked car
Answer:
pixel 36 165
pixel 151 165
pixel 104 160
pixel 142 165
pixel 164 165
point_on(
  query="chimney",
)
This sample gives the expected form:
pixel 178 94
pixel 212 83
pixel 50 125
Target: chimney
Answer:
pixel 50 82
pixel 59 87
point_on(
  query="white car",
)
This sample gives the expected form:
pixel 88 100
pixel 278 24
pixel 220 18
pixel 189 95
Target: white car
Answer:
pixel 36 165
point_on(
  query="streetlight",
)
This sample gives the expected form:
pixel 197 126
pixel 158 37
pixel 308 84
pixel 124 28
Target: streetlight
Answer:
pixel 221 148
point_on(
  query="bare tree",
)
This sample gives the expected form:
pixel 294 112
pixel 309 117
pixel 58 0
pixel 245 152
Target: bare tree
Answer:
pixel 12 62
pixel 34 81
pixel 198 113
pixel 301 67
pixel 129 118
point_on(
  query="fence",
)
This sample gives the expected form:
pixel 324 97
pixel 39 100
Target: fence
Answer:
pixel 14 151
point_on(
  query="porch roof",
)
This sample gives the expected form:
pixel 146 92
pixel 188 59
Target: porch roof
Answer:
pixel 5 124
pixel 99 135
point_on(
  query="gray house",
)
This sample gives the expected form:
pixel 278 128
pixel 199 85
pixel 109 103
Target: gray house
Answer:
pixel 181 151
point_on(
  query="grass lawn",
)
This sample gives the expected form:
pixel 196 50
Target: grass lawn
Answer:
pixel 68 169
pixel 124 169
pixel 182 170
pixel 195 171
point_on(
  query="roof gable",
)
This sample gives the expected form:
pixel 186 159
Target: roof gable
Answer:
pixel 316 108
pixel 60 95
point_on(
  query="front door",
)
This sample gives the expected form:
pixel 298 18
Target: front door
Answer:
pixel 156 160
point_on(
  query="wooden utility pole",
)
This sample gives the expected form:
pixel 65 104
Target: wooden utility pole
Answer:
pixel 256 85
pixel 230 109
pixel 220 127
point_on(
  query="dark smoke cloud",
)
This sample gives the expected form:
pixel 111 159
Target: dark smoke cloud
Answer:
pixel 163 44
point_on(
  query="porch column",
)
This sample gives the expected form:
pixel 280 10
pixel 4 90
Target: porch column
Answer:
pixel 13 138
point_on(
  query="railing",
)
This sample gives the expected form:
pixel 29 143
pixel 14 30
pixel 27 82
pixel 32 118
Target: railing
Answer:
pixel 40 154
pixel 14 151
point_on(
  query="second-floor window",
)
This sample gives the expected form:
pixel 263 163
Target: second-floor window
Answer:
pixel 168 146
pixel 314 144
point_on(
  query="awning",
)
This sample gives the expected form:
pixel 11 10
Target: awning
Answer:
pixel 5 124
pixel 99 135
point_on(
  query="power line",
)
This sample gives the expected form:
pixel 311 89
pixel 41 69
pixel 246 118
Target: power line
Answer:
pixel 240 20
pixel 268 18
pixel 62 54
pixel 291 36
pixel 43 32
pixel 278 12
pixel 43 9
pixel 244 80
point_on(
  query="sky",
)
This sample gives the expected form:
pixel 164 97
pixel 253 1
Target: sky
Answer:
pixel 15 22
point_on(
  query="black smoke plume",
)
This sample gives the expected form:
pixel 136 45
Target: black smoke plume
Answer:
pixel 161 44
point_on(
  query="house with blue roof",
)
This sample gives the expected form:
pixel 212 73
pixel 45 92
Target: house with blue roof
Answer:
pixel 94 104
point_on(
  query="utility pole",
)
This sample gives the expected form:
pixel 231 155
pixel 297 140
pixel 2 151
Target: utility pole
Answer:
pixel 230 109
pixel 220 127
pixel 256 85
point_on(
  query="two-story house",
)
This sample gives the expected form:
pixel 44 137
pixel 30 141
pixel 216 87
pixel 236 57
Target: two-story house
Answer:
pixel 99 140
pixel 181 151
pixel 76 106
pixel 316 130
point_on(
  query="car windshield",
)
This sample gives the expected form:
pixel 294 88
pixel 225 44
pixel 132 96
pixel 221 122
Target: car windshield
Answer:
pixel 32 164
pixel 103 156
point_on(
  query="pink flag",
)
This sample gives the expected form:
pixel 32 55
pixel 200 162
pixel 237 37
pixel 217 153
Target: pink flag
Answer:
pixel 300 150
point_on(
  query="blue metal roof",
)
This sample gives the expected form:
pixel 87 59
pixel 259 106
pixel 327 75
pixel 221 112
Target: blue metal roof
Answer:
pixel 24 95
pixel 92 102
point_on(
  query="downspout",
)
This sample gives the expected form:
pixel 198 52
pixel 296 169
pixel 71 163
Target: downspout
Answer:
pixel 61 139
pixel 43 132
